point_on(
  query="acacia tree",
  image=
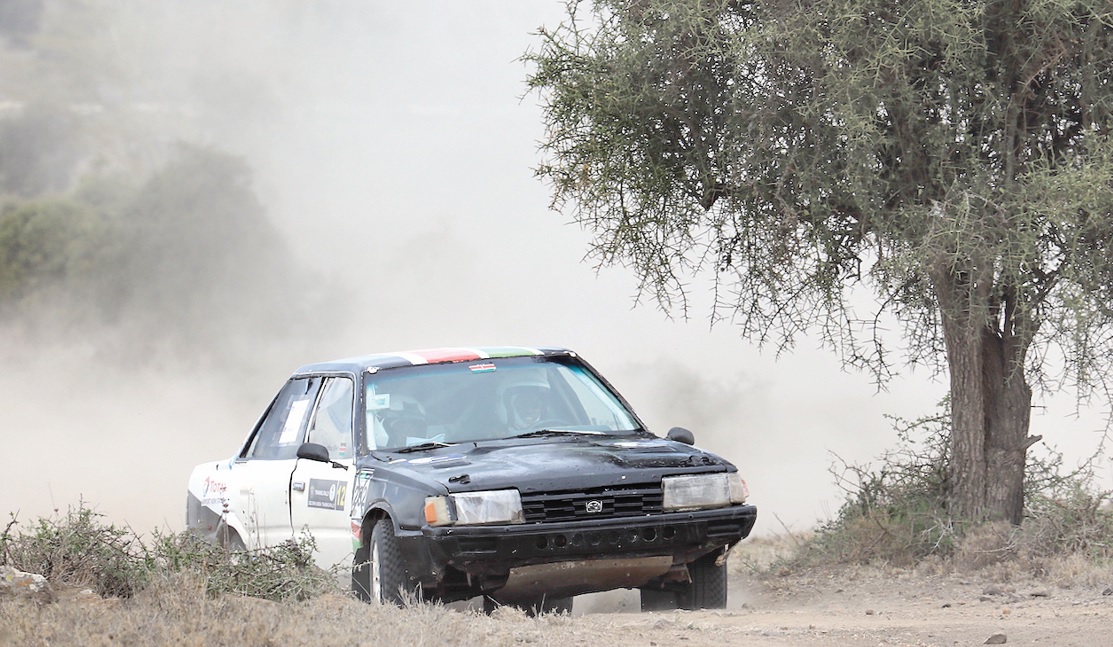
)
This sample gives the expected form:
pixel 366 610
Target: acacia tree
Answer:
pixel 952 156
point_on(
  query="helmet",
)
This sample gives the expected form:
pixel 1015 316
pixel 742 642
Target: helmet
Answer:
pixel 403 418
pixel 524 404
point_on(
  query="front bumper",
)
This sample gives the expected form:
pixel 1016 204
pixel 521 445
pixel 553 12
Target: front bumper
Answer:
pixel 492 551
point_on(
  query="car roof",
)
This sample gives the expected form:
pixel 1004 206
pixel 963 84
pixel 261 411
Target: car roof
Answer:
pixel 419 357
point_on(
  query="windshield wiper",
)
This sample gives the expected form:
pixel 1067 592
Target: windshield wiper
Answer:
pixel 541 433
pixel 422 447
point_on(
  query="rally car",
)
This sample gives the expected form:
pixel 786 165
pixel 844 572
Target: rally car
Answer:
pixel 516 474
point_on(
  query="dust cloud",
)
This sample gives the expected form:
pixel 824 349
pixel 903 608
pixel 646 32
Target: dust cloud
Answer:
pixel 391 147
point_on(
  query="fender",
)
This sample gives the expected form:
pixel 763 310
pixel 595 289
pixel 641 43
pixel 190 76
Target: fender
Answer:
pixel 210 510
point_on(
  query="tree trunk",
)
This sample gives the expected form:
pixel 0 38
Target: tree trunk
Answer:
pixel 990 414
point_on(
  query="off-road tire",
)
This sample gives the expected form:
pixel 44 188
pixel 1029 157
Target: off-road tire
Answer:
pixel 232 542
pixel 658 600
pixel 708 588
pixel 386 557
pixel 378 572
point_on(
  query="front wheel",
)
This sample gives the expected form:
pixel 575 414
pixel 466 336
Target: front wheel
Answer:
pixel 379 574
pixel 708 588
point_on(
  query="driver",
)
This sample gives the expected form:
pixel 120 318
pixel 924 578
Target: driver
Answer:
pixel 527 406
pixel 403 419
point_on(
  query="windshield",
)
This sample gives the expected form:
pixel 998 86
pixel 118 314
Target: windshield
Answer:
pixel 488 400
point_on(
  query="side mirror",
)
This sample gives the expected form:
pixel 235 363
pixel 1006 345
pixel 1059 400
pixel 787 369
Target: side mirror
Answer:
pixel 314 452
pixel 319 453
pixel 681 435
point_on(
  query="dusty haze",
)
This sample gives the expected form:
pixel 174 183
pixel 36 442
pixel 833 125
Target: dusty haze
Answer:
pixel 393 149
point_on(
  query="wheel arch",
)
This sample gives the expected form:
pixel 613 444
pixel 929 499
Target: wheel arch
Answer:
pixel 373 515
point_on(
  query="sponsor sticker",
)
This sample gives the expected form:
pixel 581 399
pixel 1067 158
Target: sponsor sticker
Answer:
pixel 213 491
pixel 482 368
pixel 360 491
pixel 326 494
pixel 357 537
pixel 294 420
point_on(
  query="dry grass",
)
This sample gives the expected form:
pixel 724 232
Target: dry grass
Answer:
pixel 177 611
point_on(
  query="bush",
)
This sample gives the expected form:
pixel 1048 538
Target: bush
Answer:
pixel 80 549
pixel 282 572
pixel 896 510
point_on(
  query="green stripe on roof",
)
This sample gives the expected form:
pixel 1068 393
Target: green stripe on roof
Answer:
pixel 508 351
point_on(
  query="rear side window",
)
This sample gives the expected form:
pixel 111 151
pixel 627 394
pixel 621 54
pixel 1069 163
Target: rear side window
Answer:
pixel 282 431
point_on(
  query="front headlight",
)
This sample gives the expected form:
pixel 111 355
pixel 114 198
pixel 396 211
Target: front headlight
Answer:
pixel 702 491
pixel 473 508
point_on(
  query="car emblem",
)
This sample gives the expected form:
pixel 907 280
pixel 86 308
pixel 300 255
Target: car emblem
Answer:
pixel 593 507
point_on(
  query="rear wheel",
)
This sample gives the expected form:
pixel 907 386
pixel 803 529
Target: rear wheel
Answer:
pixel 658 600
pixel 233 544
pixel 708 588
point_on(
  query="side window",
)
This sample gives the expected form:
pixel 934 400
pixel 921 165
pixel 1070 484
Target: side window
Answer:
pixel 281 432
pixel 602 409
pixel 331 425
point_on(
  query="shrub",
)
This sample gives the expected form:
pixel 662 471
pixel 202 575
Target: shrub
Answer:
pixel 896 510
pixel 282 572
pixel 80 549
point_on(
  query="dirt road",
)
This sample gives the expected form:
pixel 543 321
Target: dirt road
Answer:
pixel 851 607
pixel 860 607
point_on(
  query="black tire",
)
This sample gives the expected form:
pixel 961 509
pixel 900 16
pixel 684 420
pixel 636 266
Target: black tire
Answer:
pixel 230 541
pixel 378 573
pixel 658 600
pixel 708 588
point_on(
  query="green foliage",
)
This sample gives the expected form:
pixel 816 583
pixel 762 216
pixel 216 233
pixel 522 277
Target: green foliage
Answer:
pixel 196 239
pixel 80 549
pixel 1073 518
pixel 951 155
pixel 282 572
pixel 184 258
pixel 896 510
pixel 46 244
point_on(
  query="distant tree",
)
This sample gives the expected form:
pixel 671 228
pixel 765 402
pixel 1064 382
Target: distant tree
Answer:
pixel 43 245
pixel 953 156
pixel 201 252
pixel 184 259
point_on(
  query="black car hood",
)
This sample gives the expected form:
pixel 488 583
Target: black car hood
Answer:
pixel 574 462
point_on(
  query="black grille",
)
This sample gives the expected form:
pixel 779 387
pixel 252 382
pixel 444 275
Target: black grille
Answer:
pixel 598 503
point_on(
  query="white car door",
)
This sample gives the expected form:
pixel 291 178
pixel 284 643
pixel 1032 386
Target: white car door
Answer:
pixel 262 474
pixel 320 493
